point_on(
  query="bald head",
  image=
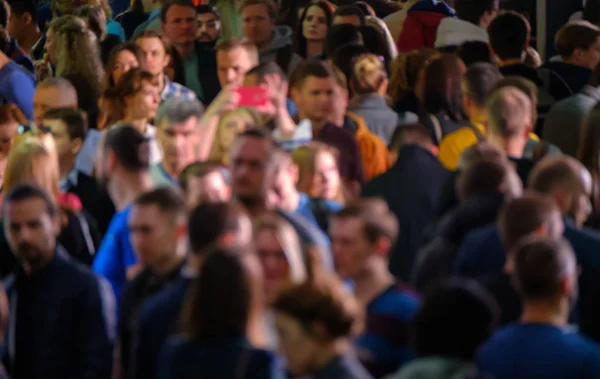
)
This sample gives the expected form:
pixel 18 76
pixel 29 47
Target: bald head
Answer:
pixel 509 113
pixel 568 182
pixel 51 94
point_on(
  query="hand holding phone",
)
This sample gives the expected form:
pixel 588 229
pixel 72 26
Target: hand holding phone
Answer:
pixel 253 96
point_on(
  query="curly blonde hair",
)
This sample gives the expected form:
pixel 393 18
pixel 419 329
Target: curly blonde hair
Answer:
pixel 368 74
pixel 77 50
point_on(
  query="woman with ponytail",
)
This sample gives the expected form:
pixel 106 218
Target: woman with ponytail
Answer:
pixel 369 84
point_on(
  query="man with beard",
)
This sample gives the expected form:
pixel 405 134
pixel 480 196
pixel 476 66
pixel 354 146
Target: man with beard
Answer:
pixel 252 167
pixel 62 316
pixel 209 25
pixel 123 169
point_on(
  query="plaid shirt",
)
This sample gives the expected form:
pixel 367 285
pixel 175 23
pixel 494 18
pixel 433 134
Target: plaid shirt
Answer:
pixel 173 89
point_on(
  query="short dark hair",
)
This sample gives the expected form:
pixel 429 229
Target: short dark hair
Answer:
pixel 523 216
pixel 473 10
pixel 479 80
pixel 266 68
pixel 406 134
pixel 575 35
pixel 539 267
pixel 74 119
pixel 350 10
pixel 378 221
pixel 483 177
pixel 209 221
pixel 456 317
pixel 307 68
pixel 170 3
pixel 472 52
pixel 130 146
pixel 271 6
pixel 23 192
pixel 20 7
pixel 196 170
pixel 555 172
pixel 339 35
pixel 509 33
pixel 224 298
pixel 168 200
pixel 206 8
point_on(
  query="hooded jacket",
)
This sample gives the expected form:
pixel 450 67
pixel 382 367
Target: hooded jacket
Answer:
pixel 421 24
pixel 453 32
pixel 281 44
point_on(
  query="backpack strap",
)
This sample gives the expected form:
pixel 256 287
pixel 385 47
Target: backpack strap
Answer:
pixel 437 128
pixel 480 137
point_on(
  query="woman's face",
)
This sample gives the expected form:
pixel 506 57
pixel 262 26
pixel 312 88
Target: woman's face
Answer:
pixel 8 132
pixel 276 269
pixel 314 26
pixel 144 103
pixel 124 61
pixel 50 46
pixel 297 345
pixel 326 179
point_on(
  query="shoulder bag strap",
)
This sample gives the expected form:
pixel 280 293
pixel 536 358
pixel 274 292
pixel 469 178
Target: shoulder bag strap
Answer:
pixel 437 128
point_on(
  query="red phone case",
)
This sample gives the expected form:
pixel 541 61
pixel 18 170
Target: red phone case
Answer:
pixel 252 96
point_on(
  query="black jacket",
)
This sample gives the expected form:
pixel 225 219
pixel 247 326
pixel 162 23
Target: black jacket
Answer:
pixel 436 260
pixel 410 188
pixel 207 71
pixel 61 323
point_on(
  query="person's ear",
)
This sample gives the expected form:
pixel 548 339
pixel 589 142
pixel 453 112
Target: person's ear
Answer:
pixel 27 19
pixel 182 230
pixel 564 199
pixel 167 60
pixel 541 230
pixel 295 95
pixel 383 246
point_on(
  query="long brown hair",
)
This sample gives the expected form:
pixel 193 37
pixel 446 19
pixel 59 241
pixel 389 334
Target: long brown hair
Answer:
pixel 405 72
pixel 112 59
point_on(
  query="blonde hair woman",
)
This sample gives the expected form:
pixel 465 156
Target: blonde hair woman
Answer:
pixel 318 171
pixel 33 160
pixel 230 125
pixel 369 82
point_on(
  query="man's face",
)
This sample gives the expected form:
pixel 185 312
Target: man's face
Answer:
pixel 348 19
pixel 582 206
pixel 30 230
pixel 249 171
pixel 350 248
pixel 17 24
pixel 65 147
pixel 153 234
pixel 257 24
pixel 315 98
pixel 210 188
pixel 232 65
pixel 154 56
pixel 209 27
pixel 178 142
pixel 589 58
pixel 49 98
pixel 180 25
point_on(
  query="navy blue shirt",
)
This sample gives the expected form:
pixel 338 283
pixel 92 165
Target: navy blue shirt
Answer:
pixel 342 367
pixel 539 351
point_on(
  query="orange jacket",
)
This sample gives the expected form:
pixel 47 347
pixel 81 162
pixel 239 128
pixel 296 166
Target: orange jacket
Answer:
pixel 375 155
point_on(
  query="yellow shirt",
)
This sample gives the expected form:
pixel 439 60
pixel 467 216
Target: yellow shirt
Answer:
pixel 455 143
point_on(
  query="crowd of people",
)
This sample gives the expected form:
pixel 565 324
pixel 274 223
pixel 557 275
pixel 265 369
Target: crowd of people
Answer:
pixel 262 189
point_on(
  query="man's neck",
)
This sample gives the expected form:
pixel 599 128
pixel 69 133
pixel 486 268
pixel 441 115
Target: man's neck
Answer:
pixel 123 191
pixel 66 165
pixel 509 62
pixel 161 81
pixel 546 312
pixel 372 283
pixel 314 48
pixel 262 46
pixel 171 170
pixel 29 39
pixel 31 268
pixel 291 201
pixel 139 123
pixel 255 207
pixel 512 147
pixel 169 263
pixel 185 50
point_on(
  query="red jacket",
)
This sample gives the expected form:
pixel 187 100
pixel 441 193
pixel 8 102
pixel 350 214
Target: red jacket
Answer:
pixel 421 25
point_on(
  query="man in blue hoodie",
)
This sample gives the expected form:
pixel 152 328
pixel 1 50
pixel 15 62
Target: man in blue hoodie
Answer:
pixel 259 18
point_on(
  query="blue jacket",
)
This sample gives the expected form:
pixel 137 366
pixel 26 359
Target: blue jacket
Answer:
pixel 220 358
pixel 158 319
pixel 63 323
pixel 482 253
